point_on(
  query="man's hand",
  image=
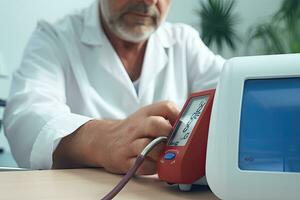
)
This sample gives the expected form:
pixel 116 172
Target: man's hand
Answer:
pixel 115 145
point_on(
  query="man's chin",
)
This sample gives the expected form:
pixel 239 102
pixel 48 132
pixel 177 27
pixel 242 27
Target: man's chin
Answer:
pixel 138 34
pixel 135 39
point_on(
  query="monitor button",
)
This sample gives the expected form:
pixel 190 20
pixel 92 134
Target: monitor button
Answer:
pixel 170 156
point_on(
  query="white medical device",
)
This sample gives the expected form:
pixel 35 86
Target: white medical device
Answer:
pixel 253 148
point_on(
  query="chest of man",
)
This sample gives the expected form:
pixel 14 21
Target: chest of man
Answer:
pixel 104 87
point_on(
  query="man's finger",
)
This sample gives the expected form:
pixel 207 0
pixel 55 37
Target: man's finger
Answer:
pixel 166 109
pixel 155 153
pixel 138 145
pixel 156 126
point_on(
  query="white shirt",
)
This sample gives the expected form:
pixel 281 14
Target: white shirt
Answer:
pixel 70 74
pixel 136 85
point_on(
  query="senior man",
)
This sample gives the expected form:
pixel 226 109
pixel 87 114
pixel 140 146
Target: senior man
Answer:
pixel 96 87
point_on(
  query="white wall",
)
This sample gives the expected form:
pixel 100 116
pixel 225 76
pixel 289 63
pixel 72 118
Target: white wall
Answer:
pixel 250 11
pixel 18 20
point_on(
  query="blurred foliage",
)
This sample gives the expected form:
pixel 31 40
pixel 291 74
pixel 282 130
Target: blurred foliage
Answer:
pixel 218 22
pixel 280 34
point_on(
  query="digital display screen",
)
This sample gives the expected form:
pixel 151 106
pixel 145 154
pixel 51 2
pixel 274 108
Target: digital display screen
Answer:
pixel 187 121
pixel 269 126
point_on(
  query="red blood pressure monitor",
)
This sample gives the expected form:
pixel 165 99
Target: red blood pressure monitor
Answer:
pixel 183 159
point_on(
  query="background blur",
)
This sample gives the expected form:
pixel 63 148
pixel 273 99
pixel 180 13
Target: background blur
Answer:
pixel 19 18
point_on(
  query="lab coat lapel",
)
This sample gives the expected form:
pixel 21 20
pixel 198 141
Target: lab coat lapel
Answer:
pixel 93 35
pixel 155 61
pixel 110 61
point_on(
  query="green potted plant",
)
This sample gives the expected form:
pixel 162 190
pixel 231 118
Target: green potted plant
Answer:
pixel 218 23
pixel 281 33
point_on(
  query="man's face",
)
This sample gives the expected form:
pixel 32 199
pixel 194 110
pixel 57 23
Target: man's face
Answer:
pixel 134 20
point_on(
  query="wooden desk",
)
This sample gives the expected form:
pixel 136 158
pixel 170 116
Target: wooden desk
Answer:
pixel 88 184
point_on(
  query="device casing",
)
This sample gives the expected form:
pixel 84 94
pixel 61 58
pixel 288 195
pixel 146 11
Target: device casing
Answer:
pixel 223 173
pixel 189 164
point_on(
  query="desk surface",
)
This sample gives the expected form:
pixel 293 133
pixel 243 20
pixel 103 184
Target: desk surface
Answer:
pixel 88 184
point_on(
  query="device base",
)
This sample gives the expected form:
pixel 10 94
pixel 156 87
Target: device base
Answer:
pixel 188 187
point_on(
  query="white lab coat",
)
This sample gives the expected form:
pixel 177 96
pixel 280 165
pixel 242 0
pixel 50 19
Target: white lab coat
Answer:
pixel 70 74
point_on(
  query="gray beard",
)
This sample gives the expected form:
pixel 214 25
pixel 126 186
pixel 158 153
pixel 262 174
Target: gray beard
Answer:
pixel 123 32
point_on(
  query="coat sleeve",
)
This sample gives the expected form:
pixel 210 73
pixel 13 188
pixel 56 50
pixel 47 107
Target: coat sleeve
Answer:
pixel 203 65
pixel 36 117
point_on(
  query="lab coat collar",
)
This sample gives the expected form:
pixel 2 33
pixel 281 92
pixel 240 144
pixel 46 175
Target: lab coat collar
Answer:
pixel 164 35
pixel 93 32
pixel 155 60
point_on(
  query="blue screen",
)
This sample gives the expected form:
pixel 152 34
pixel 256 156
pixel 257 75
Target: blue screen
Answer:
pixel 270 125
